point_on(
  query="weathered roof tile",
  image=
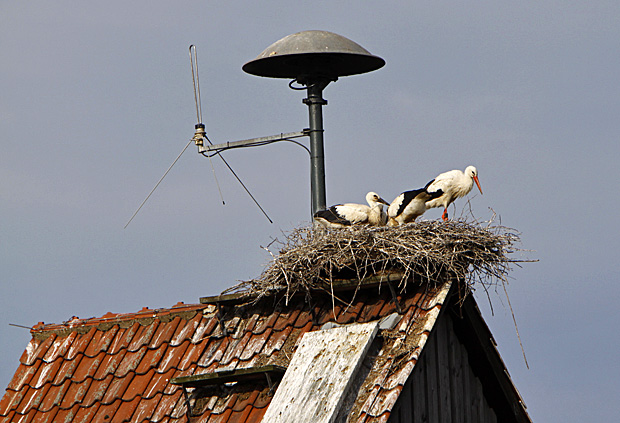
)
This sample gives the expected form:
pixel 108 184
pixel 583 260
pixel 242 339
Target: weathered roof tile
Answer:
pixel 96 391
pixel 80 344
pixel 143 336
pixel 88 367
pixel 101 341
pixel 164 333
pixel 108 363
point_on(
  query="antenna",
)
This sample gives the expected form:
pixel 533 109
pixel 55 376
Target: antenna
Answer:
pixel 201 133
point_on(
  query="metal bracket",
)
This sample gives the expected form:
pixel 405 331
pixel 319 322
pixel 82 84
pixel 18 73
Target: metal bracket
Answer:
pixel 252 142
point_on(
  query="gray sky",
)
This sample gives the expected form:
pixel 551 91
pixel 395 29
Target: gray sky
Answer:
pixel 96 102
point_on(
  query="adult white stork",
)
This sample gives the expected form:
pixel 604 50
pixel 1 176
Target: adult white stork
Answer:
pixel 453 184
pixel 346 215
pixel 409 205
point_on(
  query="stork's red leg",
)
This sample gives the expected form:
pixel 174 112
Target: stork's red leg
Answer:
pixel 444 216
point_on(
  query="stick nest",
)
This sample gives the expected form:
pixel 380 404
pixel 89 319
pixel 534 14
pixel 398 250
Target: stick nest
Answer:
pixel 312 259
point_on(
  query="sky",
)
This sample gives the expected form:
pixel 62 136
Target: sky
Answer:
pixel 96 101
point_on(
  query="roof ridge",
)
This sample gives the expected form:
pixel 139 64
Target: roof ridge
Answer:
pixel 109 320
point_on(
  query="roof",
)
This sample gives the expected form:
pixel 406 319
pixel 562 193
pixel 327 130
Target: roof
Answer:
pixel 177 364
pixel 120 367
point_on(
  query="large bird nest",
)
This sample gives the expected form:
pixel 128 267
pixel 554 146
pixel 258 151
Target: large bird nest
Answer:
pixel 311 259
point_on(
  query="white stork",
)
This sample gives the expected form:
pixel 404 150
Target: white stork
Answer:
pixel 409 205
pixel 346 215
pixel 453 184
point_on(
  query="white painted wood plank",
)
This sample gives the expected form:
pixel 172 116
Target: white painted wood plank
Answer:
pixel 320 372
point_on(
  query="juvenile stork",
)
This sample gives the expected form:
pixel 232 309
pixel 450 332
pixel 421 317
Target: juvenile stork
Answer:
pixel 410 205
pixel 346 215
pixel 453 184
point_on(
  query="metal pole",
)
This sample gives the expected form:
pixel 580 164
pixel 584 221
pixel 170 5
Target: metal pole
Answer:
pixel 315 102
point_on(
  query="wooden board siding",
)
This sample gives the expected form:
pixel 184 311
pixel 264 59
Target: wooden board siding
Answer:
pixel 443 386
pixel 319 374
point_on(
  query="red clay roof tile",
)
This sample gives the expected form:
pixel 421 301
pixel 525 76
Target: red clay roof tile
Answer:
pixel 107 412
pixel 150 359
pixel 172 357
pixel 59 347
pixel 204 329
pixel 185 330
pixel 143 336
pixel 67 370
pixel 37 350
pixel 54 396
pixel 88 367
pixel 146 407
pixel 253 346
pixel 123 338
pixel 117 388
pixel 138 386
pixel 126 409
pixel 75 394
pixel 101 341
pixel 192 355
pixel 157 383
pixel 164 333
pixel 86 414
pixel 129 362
pixel 109 363
pixel 165 406
pixel 96 391
pixel 80 344
pixel 22 376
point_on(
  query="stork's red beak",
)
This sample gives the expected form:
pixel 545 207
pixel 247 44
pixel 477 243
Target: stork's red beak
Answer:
pixel 478 184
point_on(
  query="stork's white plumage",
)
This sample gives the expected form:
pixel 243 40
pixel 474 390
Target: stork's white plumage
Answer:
pixel 453 184
pixel 346 215
pixel 409 205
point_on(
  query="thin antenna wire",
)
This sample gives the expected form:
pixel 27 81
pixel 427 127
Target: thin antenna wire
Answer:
pixel 157 184
pixel 216 181
pixel 242 184
pixel 196 80
pixel 20 326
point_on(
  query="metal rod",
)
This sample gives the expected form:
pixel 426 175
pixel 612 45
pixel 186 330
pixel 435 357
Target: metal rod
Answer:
pixel 315 103
pixel 250 142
